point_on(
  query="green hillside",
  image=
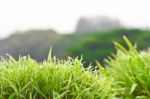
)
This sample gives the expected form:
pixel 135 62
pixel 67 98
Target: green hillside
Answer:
pixel 92 46
pixel 99 45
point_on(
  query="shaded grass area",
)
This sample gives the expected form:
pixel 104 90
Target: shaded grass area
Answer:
pixel 127 75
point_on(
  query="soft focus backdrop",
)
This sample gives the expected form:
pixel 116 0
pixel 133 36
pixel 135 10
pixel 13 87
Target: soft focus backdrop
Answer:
pixel 72 27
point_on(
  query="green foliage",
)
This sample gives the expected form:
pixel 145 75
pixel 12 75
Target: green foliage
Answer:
pixel 126 76
pixel 52 79
pixel 98 45
pixel 131 70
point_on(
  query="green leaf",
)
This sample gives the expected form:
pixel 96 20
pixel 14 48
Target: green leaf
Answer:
pixel 133 87
pixel 118 45
pixel 49 58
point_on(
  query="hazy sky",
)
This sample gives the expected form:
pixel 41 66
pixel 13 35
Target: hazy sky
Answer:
pixel 62 15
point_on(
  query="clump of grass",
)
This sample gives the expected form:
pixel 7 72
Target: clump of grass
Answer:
pixel 52 79
pixel 131 71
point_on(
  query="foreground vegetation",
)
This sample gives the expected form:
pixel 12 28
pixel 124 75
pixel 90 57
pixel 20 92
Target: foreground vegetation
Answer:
pixel 127 75
pixel 52 79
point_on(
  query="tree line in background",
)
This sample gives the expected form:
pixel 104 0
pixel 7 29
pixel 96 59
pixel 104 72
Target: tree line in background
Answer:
pixel 94 44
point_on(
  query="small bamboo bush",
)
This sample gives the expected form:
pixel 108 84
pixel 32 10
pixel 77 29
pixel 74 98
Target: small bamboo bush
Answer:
pixel 126 76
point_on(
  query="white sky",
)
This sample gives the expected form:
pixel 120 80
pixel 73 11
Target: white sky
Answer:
pixel 62 15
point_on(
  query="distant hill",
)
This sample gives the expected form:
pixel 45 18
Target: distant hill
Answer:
pixel 92 46
pixel 94 24
pixel 35 43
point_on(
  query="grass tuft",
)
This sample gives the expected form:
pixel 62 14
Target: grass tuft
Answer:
pixel 131 69
pixel 52 79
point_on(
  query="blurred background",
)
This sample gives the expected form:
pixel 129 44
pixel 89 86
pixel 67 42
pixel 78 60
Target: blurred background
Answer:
pixel 72 27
